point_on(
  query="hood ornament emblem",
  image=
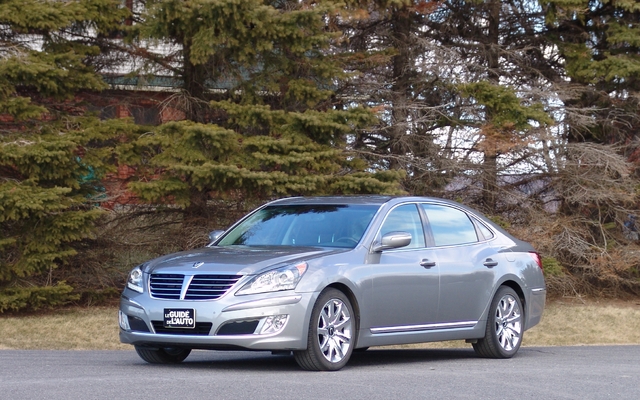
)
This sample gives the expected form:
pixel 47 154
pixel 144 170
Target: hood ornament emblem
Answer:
pixel 198 264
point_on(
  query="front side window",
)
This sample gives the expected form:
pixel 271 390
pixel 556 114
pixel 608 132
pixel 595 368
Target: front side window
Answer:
pixel 449 226
pixel 303 225
pixel 405 218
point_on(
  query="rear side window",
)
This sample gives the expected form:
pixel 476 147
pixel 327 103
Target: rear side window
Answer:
pixel 449 226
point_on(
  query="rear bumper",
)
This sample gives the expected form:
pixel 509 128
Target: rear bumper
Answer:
pixel 535 307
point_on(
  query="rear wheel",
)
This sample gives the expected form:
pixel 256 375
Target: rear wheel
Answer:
pixel 164 355
pixel 330 341
pixel 503 334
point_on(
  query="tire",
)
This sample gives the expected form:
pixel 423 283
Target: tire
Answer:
pixel 167 355
pixel 503 334
pixel 331 328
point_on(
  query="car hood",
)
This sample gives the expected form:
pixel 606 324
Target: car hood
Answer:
pixel 234 260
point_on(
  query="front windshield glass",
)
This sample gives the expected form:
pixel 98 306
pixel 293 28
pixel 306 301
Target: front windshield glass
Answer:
pixel 303 225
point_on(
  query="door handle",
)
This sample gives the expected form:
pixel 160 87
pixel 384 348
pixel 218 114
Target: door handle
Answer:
pixel 427 264
pixel 490 263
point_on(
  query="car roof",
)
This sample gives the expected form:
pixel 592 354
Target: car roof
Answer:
pixel 356 199
pixel 363 199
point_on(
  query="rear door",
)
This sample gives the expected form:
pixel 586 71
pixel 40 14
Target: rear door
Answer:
pixel 467 262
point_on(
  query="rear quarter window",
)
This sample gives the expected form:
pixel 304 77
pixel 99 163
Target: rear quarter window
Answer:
pixel 484 231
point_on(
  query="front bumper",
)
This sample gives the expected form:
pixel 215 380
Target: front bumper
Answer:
pixel 235 321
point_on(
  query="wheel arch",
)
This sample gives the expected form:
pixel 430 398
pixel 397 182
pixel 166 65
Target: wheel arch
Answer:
pixel 354 303
pixel 518 289
pixel 510 282
pixel 523 300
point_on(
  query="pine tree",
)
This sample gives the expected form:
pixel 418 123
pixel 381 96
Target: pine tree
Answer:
pixel 51 157
pixel 462 87
pixel 275 130
pixel 599 42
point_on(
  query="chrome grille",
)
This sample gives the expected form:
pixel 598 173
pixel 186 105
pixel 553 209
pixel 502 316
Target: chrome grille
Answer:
pixel 166 286
pixel 209 287
pixel 201 287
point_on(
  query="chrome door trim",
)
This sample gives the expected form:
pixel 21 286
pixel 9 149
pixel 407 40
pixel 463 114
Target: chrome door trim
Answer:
pixel 426 327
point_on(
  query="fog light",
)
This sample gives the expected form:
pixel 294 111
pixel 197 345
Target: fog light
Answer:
pixel 124 321
pixel 274 324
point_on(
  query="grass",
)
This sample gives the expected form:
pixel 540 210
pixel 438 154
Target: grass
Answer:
pixel 565 323
pixel 94 328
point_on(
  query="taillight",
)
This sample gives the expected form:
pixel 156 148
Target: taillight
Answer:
pixel 536 258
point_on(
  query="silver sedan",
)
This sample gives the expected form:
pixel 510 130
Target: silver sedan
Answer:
pixel 324 276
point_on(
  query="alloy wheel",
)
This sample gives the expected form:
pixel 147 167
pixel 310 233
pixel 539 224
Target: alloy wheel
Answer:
pixel 334 330
pixel 508 323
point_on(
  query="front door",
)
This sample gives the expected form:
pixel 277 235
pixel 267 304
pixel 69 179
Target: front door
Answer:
pixel 404 281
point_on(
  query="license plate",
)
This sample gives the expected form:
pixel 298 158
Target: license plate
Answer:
pixel 180 318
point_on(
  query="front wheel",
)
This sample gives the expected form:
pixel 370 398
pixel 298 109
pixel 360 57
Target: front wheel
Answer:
pixel 166 355
pixel 331 329
pixel 503 334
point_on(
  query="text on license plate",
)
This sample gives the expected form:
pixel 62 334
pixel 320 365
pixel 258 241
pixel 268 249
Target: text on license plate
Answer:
pixel 180 318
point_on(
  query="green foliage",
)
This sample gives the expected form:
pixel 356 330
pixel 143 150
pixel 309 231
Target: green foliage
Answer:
pixel 242 29
pixel 36 298
pixel 278 129
pixel 45 196
pixel 51 160
pixel 192 160
pixel 552 267
pixel 508 111
pixel 59 68
pixel 598 40
pixel 503 223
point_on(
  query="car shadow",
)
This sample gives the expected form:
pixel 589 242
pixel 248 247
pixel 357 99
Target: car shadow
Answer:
pixel 404 356
pixel 265 361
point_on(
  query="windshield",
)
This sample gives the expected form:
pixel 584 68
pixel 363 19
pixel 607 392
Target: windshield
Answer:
pixel 303 225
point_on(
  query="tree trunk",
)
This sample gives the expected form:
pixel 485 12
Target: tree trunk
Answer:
pixel 490 164
pixel 401 91
pixel 194 85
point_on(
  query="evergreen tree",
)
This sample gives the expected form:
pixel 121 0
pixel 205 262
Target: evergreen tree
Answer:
pixel 459 84
pixel 599 42
pixel 51 157
pixel 595 185
pixel 600 46
pixel 276 129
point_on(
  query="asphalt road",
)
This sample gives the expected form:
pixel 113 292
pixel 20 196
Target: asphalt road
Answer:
pixel 535 373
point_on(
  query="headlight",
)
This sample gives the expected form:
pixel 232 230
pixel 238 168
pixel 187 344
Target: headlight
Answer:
pixel 135 280
pixel 284 278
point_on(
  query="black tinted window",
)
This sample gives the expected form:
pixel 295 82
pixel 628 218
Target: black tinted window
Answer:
pixel 449 226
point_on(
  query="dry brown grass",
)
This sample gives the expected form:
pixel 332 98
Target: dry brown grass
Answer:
pixel 565 323
pixel 595 322
pixel 73 329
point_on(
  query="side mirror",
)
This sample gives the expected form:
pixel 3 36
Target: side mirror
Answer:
pixel 392 240
pixel 214 235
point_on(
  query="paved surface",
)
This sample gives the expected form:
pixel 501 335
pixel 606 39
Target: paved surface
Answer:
pixel 535 373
